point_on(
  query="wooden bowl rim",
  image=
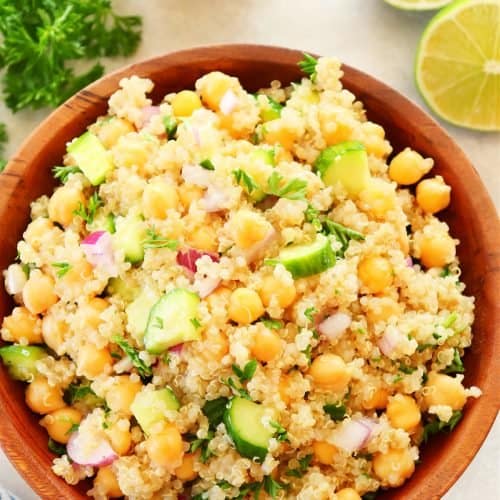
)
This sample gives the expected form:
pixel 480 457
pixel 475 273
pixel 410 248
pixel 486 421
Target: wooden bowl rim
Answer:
pixel 479 417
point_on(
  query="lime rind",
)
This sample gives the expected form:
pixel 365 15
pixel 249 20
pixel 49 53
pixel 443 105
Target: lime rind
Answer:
pixel 419 5
pixel 449 12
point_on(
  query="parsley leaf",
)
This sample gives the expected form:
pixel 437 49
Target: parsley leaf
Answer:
pixel 55 447
pixel 302 468
pixel 63 173
pixel 195 322
pixel 309 313
pixel 343 234
pixel 154 240
pixel 214 411
pixel 83 392
pixel 445 272
pixel 456 365
pixel 308 353
pixel 170 126
pixel 293 190
pixel 308 66
pixel 62 268
pixel 272 324
pixel 435 426
pixel 143 369
pixel 406 369
pixel 272 487
pixel 88 213
pixel 450 320
pixel 242 178
pixel 337 411
pixel 207 164
pixel 247 372
pixel 202 444
pixel 281 433
pixel 240 391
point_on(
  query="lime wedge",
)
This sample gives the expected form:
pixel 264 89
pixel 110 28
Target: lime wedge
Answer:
pixel 457 68
pixel 417 4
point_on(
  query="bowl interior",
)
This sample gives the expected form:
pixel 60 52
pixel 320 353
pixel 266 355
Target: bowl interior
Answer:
pixel 471 216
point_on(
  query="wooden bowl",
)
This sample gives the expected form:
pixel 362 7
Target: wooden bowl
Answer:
pixel 471 216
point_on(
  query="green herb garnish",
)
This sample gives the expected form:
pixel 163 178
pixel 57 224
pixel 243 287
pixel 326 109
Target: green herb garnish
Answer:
pixel 435 426
pixel 309 313
pixel 202 444
pixel 406 369
pixel 293 190
pixel 155 240
pixel 63 173
pixel 62 268
pixel 214 411
pixel 242 178
pixel 337 411
pixel 88 213
pixel 143 369
pixel 207 164
pixel 302 468
pixel 195 322
pixel 281 433
pixel 247 372
pixel 343 234
pixel 55 447
pixel 456 365
pixel 308 66
pixel 170 126
pixel 272 324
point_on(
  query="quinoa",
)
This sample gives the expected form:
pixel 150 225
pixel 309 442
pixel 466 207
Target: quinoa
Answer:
pixel 353 364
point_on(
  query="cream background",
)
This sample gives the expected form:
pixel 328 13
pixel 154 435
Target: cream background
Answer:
pixel 364 33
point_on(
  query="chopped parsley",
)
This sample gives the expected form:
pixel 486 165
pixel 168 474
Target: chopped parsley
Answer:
pixel 435 426
pixel 247 372
pixel 170 126
pixel 293 190
pixel 302 468
pixel 62 268
pixel 272 324
pixel 214 411
pixel 195 322
pixel 143 369
pixel 343 234
pixel 63 173
pixel 337 411
pixel 456 365
pixel 28 267
pixel 281 433
pixel 307 352
pixel 308 66
pixel 450 320
pixel 406 369
pixel 83 392
pixel 245 180
pixel 88 213
pixel 155 240
pixel 445 272
pixel 55 447
pixel 310 312
pixel 240 391
pixel 207 164
pixel 203 445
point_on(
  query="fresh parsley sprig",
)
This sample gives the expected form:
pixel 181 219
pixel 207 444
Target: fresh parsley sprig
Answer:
pixel 143 369
pixel 155 240
pixel 281 433
pixel 247 372
pixel 88 213
pixel 62 173
pixel 435 426
pixel 456 365
pixel 293 190
pixel 304 463
pixel 62 268
pixel 308 66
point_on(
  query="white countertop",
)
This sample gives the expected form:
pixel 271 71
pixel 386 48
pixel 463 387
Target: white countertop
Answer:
pixel 364 33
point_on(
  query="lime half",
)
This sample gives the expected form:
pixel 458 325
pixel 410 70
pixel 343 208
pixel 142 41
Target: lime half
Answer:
pixel 457 68
pixel 418 4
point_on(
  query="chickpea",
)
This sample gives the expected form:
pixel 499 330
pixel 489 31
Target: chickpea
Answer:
pixel 272 288
pixel 375 273
pixel 329 371
pixel 249 228
pixel 347 494
pixel 92 362
pixel 188 194
pixel 186 471
pixel 436 250
pixel 324 452
pixel 42 397
pixel 374 140
pixel 80 272
pixel 204 238
pixel 217 347
pixel 166 448
pixel 53 331
pixel 106 482
pixel 267 345
pixel 245 306
pixel 280 132
pixel 23 326
pixel 433 195
pixel 157 198
pixel 382 308
pixel 111 130
pixel 120 439
pixel 92 311
pixel 378 198
pixel 213 86
pixel 185 103
pixel 38 292
pixel 122 393
pixel 332 129
pixel 408 167
pixel 377 400
pixel 63 203
pixel 393 467
pixel 442 389
pixel 59 423
pixel 36 230
pixel 403 412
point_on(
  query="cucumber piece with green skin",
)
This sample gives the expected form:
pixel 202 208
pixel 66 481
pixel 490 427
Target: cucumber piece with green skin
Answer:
pixel 21 360
pixel 243 421
pixel 347 163
pixel 172 320
pixel 91 156
pixel 149 407
pixel 308 259
pixel 264 155
pixel 271 111
pixel 129 236
pixel 117 286
pixel 138 312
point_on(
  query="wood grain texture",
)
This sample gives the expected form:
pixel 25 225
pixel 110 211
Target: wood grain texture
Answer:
pixel 471 216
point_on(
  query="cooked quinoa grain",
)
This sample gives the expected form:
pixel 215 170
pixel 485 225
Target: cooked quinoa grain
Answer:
pixel 233 293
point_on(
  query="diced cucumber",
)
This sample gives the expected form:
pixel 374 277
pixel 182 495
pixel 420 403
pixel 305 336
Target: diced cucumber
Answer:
pixel 149 407
pixel 103 222
pixel 92 157
pixel 308 259
pixel 347 163
pixel 129 236
pixel 138 312
pixel 271 110
pixel 21 359
pixel 265 155
pixel 243 421
pixel 172 320
pixel 117 286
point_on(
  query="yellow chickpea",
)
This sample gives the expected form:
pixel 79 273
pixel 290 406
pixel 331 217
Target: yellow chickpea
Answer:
pixel 120 438
pixel 376 400
pixel 36 230
pixel 248 228
pixel 59 423
pixel 23 326
pixel 185 103
pixel 122 393
pixel 111 130
pixel 329 371
pixel 53 331
pixel 433 195
pixel 213 86
pixel 92 361
pixel 186 471
pixel 189 193
pixel 272 288
pixel 38 292
pixel 442 389
pixel 374 140
pixel 42 397
pixel 393 467
pixel 332 129
pixel 266 345
pixel 403 412
pixel 408 167
pixel 92 311
pixel 63 203
pixel 347 494
pixel 217 347
pixel 381 309
pixel 80 272
pixel 245 306
pixel 166 447
pixel 375 273
pixel 436 250
pixel 157 198
pixel 204 238
pixel 378 198
pixel 106 482
pixel 280 132
pixel 324 452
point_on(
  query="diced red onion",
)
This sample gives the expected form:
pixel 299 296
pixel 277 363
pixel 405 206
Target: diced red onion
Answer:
pixel 389 340
pixel 199 176
pixel 176 349
pixel 215 200
pixel 189 257
pixel 96 453
pixel 206 285
pixel 354 434
pixel 98 250
pixel 257 250
pixel 228 102
pixel 148 112
pixel 409 262
pixel 333 326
